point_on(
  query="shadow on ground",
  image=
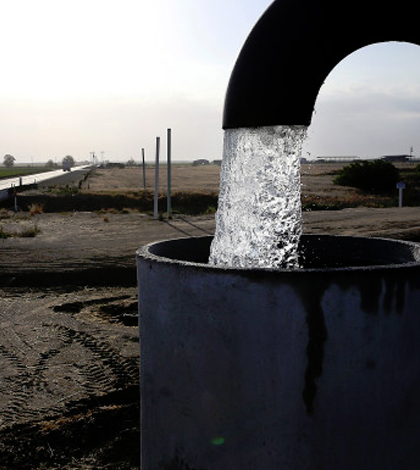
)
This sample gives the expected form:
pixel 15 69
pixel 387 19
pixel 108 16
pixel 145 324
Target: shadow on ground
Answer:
pixel 102 432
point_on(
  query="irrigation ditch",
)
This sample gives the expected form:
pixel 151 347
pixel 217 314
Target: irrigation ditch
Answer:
pixel 70 199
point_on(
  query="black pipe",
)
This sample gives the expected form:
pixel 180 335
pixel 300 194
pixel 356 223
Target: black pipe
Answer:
pixel 296 44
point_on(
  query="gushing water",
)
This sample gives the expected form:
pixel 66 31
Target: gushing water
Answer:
pixel 259 218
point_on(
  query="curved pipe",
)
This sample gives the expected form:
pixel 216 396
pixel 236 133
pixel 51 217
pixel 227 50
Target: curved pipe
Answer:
pixel 295 45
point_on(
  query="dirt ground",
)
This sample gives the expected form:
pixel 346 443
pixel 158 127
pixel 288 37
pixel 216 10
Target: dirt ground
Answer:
pixel 69 352
pixel 69 389
pixel 89 242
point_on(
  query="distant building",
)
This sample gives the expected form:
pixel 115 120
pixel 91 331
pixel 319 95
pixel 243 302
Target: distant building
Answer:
pixel 396 158
pixel 337 159
pixel 201 161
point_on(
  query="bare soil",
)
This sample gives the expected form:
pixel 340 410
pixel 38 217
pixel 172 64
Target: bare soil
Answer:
pixel 69 349
pixel 69 390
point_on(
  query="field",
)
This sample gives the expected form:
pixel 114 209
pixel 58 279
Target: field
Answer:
pixel 20 171
pixel 318 190
pixel 194 190
pixel 203 178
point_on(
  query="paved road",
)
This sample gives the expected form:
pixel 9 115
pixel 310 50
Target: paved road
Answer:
pixel 43 177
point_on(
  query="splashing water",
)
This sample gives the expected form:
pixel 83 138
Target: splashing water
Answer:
pixel 259 219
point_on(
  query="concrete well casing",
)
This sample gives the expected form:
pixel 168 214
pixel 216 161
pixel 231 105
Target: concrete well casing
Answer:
pixel 317 368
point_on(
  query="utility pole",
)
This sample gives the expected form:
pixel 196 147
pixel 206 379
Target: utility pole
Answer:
pixel 144 169
pixel 156 208
pixel 169 150
pixel 93 157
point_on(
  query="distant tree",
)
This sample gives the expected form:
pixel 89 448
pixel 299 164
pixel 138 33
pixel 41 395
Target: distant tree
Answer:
pixel 68 161
pixel 9 160
pixel 50 164
pixel 131 162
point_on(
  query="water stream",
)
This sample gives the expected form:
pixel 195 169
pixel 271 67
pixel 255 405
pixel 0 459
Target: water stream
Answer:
pixel 259 218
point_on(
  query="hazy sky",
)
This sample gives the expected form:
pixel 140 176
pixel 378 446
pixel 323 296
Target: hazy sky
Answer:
pixel 109 76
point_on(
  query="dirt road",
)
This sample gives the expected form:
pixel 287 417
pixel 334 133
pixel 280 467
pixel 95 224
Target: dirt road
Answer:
pixel 89 241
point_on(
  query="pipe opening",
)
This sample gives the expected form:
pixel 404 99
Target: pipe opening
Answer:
pixel 315 251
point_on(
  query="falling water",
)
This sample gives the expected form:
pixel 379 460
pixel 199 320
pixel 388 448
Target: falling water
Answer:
pixel 259 219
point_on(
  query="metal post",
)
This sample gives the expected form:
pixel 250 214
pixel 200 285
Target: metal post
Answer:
pixel 144 169
pixel 400 187
pixel 156 208
pixel 169 173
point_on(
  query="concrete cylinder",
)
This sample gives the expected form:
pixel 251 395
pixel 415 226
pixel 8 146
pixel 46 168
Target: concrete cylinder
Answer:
pixel 316 368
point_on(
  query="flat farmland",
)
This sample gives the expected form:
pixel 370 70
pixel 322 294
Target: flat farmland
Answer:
pixel 21 171
pixel 318 178
pixel 317 186
pixel 184 178
pixel 195 190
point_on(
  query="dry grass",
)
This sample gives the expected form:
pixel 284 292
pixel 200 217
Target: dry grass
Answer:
pixel 184 178
pixel 35 209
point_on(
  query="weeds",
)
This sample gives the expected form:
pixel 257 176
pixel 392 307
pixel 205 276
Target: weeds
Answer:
pixel 3 234
pixel 211 210
pixel 29 232
pixel 5 214
pixel 63 190
pixel 35 209
pixel 192 203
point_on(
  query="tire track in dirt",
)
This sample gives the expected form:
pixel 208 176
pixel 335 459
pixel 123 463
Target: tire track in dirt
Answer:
pixel 109 368
pixel 13 387
pixel 52 356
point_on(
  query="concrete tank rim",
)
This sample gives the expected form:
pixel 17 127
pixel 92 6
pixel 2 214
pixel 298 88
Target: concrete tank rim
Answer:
pixel 144 253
